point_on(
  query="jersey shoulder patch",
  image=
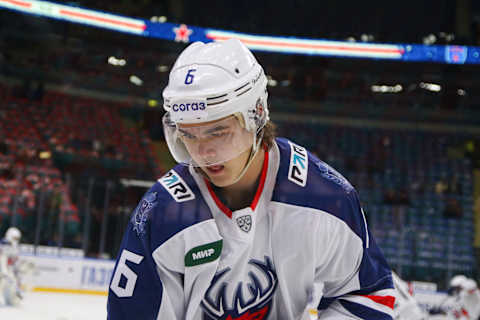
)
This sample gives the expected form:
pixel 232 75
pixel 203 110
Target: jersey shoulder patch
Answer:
pixel 179 205
pixel 176 186
pixel 306 170
pixel 298 167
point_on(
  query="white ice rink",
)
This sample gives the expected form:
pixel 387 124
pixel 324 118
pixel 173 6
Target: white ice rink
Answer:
pixel 57 306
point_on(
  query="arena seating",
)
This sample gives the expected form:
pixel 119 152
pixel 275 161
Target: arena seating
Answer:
pixel 407 178
pixel 40 137
pixel 415 190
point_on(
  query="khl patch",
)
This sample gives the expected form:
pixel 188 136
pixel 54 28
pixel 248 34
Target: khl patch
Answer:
pixel 245 222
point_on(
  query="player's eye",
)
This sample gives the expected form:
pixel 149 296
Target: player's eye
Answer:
pixel 219 134
pixel 187 135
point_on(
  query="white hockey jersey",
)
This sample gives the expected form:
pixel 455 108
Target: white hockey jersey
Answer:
pixel 8 257
pixel 302 245
pixel 467 304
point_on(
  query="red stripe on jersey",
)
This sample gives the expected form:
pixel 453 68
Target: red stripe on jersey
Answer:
pixel 388 301
pixel 219 203
pixel 254 203
pixel 261 184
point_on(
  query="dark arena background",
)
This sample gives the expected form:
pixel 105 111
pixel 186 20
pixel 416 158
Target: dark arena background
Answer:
pixel 386 92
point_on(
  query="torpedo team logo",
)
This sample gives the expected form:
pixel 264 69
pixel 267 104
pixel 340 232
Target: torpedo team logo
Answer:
pixel 251 301
pixel 258 114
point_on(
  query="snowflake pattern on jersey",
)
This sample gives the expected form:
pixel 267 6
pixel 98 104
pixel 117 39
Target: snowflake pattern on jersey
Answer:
pixel 333 175
pixel 139 219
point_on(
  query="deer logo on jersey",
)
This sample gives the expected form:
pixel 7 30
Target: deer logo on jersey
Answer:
pixel 245 222
pixel 249 301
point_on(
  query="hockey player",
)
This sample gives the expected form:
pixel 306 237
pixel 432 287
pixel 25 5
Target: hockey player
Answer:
pixel 9 283
pixel 247 226
pixel 406 307
pixel 467 297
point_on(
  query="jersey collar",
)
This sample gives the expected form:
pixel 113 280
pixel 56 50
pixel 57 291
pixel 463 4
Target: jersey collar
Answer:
pixel 258 193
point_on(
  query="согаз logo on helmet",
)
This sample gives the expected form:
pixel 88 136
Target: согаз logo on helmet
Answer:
pixel 188 106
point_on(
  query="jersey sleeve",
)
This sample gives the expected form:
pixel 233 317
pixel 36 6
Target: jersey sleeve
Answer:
pixel 360 281
pixel 139 288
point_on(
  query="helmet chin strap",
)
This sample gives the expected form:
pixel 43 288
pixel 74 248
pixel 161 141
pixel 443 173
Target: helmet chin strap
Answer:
pixel 253 152
pixel 257 140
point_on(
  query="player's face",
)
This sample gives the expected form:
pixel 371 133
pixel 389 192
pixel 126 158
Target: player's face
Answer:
pixel 227 173
pixel 220 148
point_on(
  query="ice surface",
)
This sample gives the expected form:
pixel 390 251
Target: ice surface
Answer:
pixel 57 306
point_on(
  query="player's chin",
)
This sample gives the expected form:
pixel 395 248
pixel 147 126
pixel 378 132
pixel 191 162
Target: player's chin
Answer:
pixel 221 183
pixel 220 177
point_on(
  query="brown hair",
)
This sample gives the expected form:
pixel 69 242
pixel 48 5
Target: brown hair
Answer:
pixel 269 134
pixel 269 130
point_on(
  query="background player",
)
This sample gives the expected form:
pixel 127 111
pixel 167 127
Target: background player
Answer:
pixel 9 267
pixel 467 297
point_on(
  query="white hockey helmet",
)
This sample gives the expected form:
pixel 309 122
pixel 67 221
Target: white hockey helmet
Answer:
pixel 458 281
pixel 470 284
pixel 209 82
pixel 13 235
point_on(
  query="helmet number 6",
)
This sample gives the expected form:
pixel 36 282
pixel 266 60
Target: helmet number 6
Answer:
pixel 189 76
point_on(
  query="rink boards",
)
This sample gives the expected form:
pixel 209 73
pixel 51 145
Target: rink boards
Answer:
pixel 68 274
pixel 88 275
pixel 80 275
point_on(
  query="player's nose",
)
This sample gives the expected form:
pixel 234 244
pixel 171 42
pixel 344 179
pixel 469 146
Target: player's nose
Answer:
pixel 206 150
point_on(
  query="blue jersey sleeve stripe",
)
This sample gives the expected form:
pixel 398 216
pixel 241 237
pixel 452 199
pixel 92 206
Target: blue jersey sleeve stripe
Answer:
pixel 364 312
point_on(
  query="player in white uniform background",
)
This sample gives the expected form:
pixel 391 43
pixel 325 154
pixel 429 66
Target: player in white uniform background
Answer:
pixel 406 306
pixel 247 226
pixel 9 281
pixel 466 296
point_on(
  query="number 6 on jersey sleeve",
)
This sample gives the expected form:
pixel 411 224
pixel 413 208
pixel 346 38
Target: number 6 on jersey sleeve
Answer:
pixel 123 269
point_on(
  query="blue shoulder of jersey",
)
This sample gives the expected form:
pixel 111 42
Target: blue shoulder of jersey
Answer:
pixel 171 205
pixel 306 181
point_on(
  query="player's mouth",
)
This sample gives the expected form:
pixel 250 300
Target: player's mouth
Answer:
pixel 215 169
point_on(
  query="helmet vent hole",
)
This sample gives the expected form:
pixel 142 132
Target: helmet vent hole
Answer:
pixel 237 71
